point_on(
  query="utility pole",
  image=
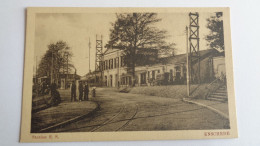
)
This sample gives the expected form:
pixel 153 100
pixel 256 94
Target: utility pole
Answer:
pixel 67 75
pixel 99 51
pixel 36 72
pixel 187 59
pixel 99 55
pixel 66 67
pixel 89 45
pixel 52 66
pixel 194 47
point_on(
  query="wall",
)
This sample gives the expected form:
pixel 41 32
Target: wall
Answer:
pixel 219 66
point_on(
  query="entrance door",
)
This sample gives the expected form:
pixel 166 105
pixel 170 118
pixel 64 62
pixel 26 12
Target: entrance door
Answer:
pixel 62 83
pixel 143 78
pixel 178 74
pixel 106 80
pixel 111 81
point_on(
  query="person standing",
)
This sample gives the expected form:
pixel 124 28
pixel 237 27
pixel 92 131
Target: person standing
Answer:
pixel 43 87
pixel 56 99
pixel 80 91
pixel 53 88
pixel 73 91
pixel 86 91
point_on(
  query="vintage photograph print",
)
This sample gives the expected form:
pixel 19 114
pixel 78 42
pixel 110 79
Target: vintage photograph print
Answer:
pixel 98 74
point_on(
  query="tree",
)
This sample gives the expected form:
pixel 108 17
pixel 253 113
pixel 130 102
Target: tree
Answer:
pixel 216 36
pixel 54 60
pixel 135 33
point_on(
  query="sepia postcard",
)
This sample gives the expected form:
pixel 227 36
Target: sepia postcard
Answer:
pixel 113 74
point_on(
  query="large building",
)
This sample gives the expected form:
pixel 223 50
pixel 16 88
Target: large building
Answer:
pixel 114 69
pixel 167 70
pixel 170 70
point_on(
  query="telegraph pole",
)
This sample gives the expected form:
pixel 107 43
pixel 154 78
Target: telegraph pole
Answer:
pixel 52 66
pixel 187 60
pixel 89 45
pixel 194 47
pixel 99 55
pixel 36 72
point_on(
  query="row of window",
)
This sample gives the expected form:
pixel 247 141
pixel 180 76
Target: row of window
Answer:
pixel 113 63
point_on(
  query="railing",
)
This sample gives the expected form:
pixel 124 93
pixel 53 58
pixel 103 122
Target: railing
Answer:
pixel 210 84
pixel 213 86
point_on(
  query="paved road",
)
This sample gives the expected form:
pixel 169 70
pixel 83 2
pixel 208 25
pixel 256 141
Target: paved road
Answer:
pixel 133 112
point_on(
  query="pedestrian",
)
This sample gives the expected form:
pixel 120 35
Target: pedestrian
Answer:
pixel 43 87
pixel 73 91
pixel 55 94
pixel 94 91
pixel 86 91
pixel 80 91
pixel 53 88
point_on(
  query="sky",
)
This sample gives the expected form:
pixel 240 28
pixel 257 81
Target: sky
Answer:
pixel 78 28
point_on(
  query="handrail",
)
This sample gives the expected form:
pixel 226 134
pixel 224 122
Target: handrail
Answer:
pixel 210 90
pixel 212 83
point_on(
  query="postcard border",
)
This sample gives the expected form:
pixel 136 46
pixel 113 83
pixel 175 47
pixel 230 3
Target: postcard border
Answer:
pixel 26 136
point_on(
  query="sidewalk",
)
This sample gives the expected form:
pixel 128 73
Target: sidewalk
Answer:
pixel 66 112
pixel 40 102
pixel 220 108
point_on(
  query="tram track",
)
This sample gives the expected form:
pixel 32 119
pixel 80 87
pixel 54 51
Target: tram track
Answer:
pixel 111 120
pixel 123 126
pixel 108 121
pixel 123 114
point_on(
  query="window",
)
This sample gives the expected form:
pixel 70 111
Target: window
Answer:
pixel 122 61
pixel 158 71
pixel 111 63
pixel 106 66
pixel 106 80
pixel 153 74
pixel 143 78
pixel 115 63
pixel 111 81
pixel 171 74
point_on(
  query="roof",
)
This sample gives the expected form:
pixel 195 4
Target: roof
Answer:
pixel 144 51
pixel 108 51
pixel 179 59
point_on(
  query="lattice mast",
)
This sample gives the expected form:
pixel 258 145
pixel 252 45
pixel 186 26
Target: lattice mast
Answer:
pixel 89 46
pixel 194 48
pixel 99 55
pixel 99 51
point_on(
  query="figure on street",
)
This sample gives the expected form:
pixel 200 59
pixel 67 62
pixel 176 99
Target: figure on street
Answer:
pixel 86 91
pixel 55 94
pixel 94 91
pixel 73 91
pixel 43 87
pixel 80 91
pixel 53 88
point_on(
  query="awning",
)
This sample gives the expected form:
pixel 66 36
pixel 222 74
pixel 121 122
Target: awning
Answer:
pixel 141 71
pixel 126 75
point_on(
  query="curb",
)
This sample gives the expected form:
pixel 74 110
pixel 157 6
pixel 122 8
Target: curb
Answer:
pixel 40 104
pixel 208 107
pixel 47 129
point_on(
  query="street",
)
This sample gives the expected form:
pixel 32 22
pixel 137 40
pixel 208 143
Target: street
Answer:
pixel 135 112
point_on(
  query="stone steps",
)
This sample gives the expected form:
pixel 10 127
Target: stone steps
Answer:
pixel 219 95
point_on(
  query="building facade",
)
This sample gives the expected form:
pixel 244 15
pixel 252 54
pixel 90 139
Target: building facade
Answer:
pixel 169 70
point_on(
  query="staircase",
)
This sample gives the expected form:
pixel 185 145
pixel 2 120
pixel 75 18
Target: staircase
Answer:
pixel 219 95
